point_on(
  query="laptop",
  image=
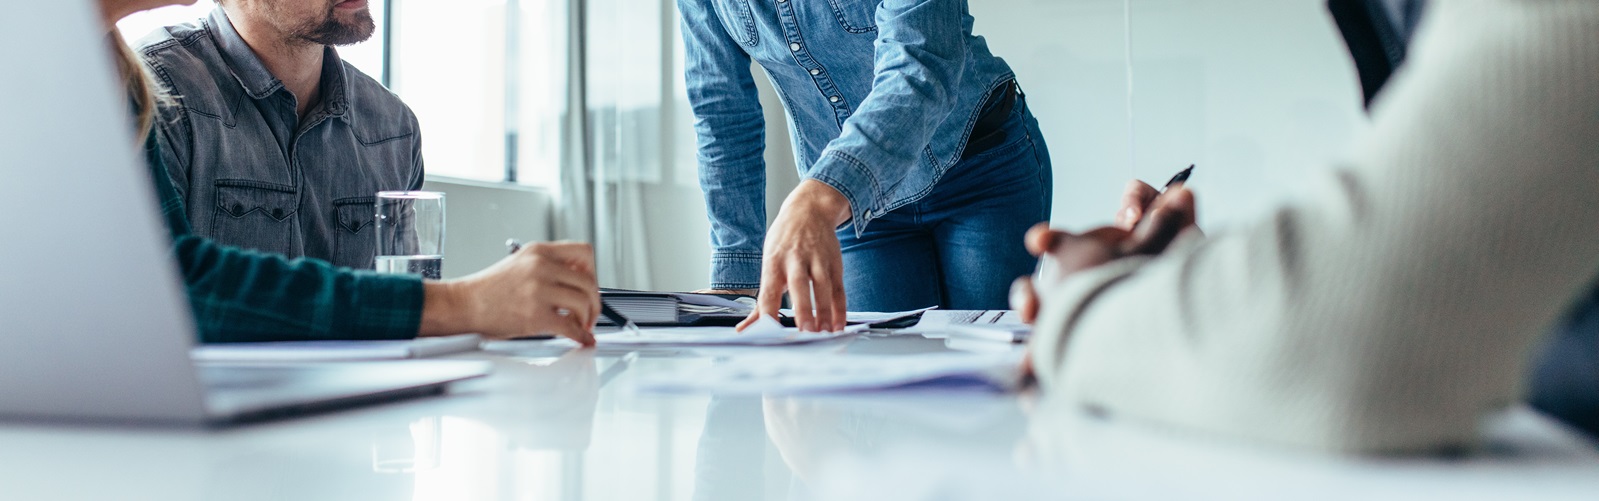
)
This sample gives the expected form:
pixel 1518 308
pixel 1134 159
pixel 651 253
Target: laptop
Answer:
pixel 94 324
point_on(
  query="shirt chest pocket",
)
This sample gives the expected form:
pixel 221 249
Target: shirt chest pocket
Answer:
pixel 856 16
pixel 738 19
pixel 256 215
pixel 356 244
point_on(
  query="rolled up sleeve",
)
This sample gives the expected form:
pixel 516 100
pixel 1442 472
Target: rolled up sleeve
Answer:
pixel 731 129
pixel 920 59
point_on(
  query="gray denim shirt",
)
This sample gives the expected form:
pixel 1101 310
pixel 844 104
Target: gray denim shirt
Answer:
pixel 251 173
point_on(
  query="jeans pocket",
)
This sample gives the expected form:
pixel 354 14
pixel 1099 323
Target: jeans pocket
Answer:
pixel 856 16
pixel 255 215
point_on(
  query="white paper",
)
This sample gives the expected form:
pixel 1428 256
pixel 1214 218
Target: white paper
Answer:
pixel 845 373
pixel 874 317
pixel 766 332
pixel 936 323
pixel 322 351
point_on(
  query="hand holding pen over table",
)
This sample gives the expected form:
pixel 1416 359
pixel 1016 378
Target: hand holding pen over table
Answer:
pixel 622 322
pixel 1147 224
pixel 546 288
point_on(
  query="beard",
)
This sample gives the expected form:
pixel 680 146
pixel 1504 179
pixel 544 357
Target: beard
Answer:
pixel 332 31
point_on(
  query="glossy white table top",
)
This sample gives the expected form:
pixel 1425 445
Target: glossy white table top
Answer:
pixel 550 425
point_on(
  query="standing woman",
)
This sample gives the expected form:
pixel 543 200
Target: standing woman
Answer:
pixel 921 166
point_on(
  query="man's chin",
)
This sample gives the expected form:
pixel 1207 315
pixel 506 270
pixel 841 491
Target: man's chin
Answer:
pixel 354 27
pixel 355 18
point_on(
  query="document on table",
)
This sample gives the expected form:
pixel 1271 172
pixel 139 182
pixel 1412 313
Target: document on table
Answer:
pixel 873 317
pixel 778 374
pixel 937 323
pixel 766 332
pixel 324 351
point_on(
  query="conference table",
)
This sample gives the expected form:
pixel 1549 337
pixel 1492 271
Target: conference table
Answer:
pixel 557 423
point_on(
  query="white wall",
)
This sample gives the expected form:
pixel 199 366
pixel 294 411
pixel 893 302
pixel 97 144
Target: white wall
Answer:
pixel 1256 92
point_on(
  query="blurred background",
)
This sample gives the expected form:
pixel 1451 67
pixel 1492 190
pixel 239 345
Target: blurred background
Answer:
pixel 567 119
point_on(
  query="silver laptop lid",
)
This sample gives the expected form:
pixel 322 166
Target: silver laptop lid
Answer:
pixel 93 320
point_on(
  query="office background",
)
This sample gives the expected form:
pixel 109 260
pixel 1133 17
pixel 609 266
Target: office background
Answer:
pixel 1256 92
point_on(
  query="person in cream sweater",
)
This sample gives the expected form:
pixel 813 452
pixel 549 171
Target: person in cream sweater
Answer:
pixel 1397 302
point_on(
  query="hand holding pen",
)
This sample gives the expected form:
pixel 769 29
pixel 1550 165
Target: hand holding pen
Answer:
pixel 611 314
pixel 1148 223
pixel 1139 196
pixel 547 288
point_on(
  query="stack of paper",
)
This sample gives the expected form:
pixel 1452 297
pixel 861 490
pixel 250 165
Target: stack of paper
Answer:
pixel 845 373
pixel 644 308
pixel 668 308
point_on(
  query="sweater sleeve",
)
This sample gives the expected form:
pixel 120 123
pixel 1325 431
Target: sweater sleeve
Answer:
pixel 1398 301
pixel 245 296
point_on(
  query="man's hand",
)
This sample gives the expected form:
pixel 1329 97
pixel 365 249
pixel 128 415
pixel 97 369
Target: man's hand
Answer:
pixel 1168 215
pixel 542 289
pixel 1136 202
pixel 803 257
pixel 1070 253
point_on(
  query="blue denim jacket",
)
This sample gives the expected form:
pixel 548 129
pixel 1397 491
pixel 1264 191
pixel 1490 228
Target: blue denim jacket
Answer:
pixel 881 94
pixel 251 173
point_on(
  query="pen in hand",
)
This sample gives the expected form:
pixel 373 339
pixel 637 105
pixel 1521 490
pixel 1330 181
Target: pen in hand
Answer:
pixel 611 314
pixel 1045 266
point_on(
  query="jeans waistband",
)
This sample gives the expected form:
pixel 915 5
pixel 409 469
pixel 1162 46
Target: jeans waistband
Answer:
pixel 990 128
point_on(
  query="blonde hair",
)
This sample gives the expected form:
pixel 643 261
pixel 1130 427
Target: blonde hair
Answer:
pixel 147 95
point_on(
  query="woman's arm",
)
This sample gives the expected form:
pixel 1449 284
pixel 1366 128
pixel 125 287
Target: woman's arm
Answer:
pixel 732 138
pixel 921 56
pixel 1397 303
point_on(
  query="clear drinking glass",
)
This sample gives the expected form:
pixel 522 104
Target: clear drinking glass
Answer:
pixel 410 233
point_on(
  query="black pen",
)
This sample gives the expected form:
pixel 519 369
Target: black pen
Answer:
pixel 1180 178
pixel 610 313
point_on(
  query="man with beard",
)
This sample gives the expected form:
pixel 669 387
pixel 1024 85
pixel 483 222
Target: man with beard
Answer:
pixel 273 141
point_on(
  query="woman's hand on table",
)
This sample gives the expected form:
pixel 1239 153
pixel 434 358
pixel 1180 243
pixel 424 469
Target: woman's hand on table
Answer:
pixel 803 258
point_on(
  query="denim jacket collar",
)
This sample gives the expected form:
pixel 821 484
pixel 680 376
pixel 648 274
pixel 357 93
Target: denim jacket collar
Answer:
pixel 259 82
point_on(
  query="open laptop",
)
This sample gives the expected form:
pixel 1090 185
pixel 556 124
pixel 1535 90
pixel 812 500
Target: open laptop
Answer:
pixel 94 325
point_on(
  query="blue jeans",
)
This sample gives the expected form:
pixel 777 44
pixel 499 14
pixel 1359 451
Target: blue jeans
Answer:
pixel 961 246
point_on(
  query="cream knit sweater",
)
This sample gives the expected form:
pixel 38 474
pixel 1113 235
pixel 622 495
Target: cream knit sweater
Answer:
pixel 1400 301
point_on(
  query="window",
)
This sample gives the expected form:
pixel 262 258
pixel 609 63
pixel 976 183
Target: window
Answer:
pixel 488 81
pixel 449 66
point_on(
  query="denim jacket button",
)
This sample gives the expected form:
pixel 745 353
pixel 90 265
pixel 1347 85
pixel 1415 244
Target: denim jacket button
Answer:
pixel 833 99
pixel 816 72
pixel 238 208
pixel 277 213
pixel 794 47
pixel 868 214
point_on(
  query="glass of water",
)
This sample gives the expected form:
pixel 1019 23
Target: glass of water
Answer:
pixel 410 233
